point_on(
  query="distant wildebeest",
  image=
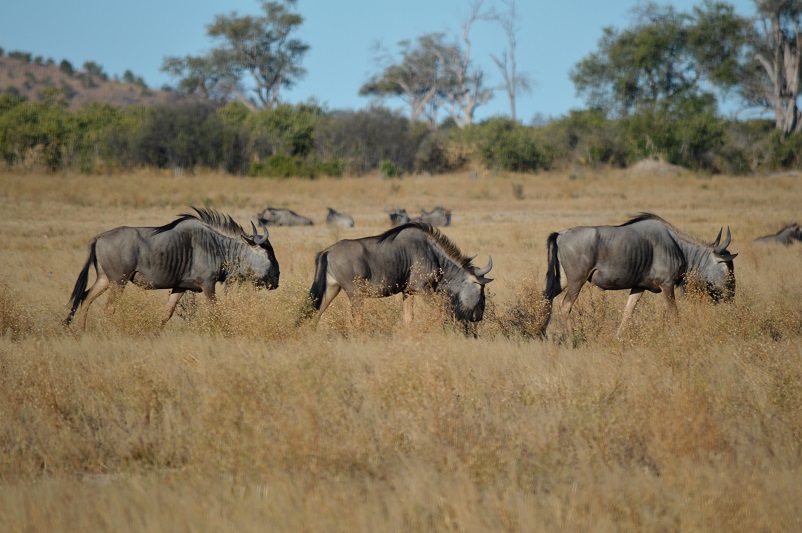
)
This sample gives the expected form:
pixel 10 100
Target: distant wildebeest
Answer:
pixel 192 253
pixel 339 219
pixel 398 216
pixel 439 216
pixel 273 216
pixel 412 258
pixel 644 254
pixel 790 233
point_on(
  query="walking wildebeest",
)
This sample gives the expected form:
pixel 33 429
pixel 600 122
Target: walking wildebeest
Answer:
pixel 439 216
pixel 412 258
pixel 339 219
pixel 790 233
pixel 191 253
pixel 273 216
pixel 644 254
pixel 398 216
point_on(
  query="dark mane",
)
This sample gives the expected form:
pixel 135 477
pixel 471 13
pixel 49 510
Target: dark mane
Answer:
pixel 651 216
pixel 442 242
pixel 222 223
pixel 645 216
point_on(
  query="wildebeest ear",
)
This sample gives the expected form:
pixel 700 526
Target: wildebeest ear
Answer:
pixel 484 281
pixel 248 240
pixel 726 258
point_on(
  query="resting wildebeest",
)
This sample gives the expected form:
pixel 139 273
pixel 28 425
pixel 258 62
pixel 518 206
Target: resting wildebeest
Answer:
pixel 273 216
pixel 398 216
pixel 412 258
pixel 339 219
pixel 191 253
pixel 644 254
pixel 439 216
pixel 790 233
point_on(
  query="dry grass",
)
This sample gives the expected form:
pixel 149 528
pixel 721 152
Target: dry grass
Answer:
pixel 240 418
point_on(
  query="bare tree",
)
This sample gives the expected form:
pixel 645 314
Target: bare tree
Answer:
pixel 514 82
pixel 777 45
pixel 416 78
pixel 464 92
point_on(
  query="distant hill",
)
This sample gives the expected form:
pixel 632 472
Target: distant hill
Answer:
pixel 29 79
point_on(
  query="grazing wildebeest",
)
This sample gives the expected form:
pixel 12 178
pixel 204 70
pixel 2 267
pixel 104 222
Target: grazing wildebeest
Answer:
pixel 412 258
pixel 191 253
pixel 644 254
pixel 439 216
pixel 790 233
pixel 273 216
pixel 339 219
pixel 398 216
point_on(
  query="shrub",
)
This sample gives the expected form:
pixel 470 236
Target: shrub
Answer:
pixel 507 145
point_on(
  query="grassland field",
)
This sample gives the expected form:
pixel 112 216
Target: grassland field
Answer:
pixel 238 418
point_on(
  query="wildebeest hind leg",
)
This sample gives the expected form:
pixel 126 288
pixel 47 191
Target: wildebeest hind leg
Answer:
pixel 100 285
pixel 175 297
pixel 634 297
pixel 114 296
pixel 571 294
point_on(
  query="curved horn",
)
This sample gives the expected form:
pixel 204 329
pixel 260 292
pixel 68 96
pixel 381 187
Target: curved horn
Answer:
pixel 482 271
pixel 259 239
pixel 718 238
pixel 723 246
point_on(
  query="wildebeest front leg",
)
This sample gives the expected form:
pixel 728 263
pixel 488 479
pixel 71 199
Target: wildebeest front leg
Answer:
pixel 634 297
pixel 172 302
pixel 671 302
pixel 408 308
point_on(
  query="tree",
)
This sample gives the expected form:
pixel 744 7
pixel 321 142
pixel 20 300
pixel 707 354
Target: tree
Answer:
pixel 416 79
pixel 464 91
pixel 663 60
pixel 255 49
pixel 776 44
pixel 514 82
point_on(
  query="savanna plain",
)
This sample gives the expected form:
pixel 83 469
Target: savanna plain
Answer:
pixel 240 417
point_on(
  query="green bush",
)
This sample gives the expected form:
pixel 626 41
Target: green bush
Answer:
pixel 285 166
pixel 505 144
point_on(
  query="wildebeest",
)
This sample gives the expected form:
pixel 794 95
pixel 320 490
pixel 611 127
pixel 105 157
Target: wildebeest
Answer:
pixel 273 216
pixel 398 216
pixel 644 254
pixel 790 233
pixel 439 216
pixel 192 253
pixel 339 219
pixel 412 258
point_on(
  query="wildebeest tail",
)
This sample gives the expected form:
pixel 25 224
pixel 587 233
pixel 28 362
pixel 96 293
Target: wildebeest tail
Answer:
pixel 79 292
pixel 318 288
pixel 553 284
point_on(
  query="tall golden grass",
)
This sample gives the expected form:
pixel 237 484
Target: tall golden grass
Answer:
pixel 238 417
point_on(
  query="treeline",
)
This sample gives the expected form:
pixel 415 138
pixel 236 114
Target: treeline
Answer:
pixel 305 140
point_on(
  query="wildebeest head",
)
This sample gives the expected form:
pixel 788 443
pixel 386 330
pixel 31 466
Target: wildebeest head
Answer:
pixel 719 272
pixel 467 293
pixel 262 264
pixel 398 216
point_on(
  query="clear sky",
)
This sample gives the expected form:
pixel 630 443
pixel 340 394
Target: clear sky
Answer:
pixel 136 36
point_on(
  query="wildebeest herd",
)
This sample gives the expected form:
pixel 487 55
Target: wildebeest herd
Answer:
pixel 196 251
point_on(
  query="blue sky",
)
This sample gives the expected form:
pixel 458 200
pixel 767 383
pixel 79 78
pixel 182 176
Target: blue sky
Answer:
pixel 553 37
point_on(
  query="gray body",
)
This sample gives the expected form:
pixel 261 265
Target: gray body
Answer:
pixel 644 254
pixel 273 216
pixel 787 236
pixel 192 253
pixel 340 220
pixel 439 216
pixel 409 259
